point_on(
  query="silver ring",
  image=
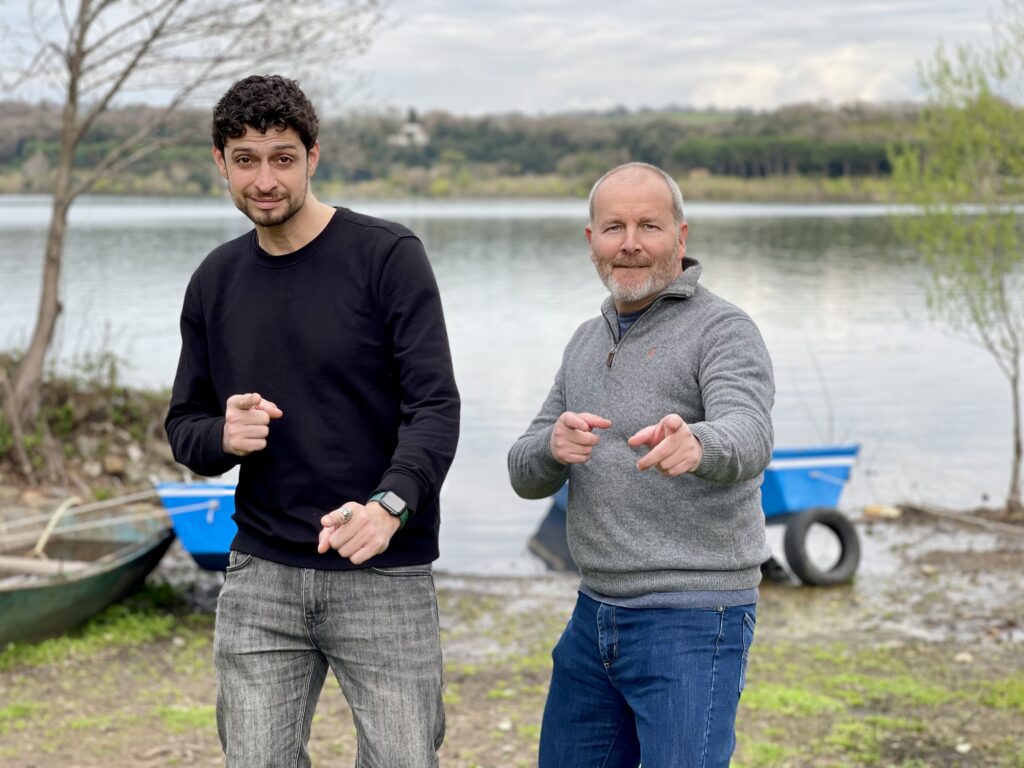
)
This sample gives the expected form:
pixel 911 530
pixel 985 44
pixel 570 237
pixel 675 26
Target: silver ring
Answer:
pixel 346 515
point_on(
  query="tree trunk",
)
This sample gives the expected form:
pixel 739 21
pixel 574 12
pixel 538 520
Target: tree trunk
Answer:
pixel 26 385
pixel 1013 497
pixel 28 377
pixel 14 422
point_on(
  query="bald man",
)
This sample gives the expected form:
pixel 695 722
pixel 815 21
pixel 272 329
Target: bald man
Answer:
pixel 660 421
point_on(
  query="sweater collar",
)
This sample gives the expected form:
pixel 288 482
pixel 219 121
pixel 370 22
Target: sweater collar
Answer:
pixel 683 287
pixel 307 251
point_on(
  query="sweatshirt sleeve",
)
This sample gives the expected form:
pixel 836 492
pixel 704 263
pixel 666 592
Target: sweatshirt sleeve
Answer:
pixel 738 391
pixel 533 471
pixel 429 432
pixel 195 419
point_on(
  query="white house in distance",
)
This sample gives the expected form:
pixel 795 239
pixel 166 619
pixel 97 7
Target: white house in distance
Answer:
pixel 411 134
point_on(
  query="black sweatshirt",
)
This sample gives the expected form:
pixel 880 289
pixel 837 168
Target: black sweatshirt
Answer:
pixel 347 337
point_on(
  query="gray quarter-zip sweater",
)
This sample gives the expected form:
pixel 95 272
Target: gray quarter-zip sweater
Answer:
pixel 631 533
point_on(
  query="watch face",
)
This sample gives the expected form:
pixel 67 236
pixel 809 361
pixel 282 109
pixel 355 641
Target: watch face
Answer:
pixel 393 503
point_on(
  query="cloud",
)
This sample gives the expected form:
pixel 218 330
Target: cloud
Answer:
pixel 538 56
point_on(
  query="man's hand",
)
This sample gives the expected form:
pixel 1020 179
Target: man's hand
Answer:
pixel 573 439
pixel 246 423
pixel 364 532
pixel 674 448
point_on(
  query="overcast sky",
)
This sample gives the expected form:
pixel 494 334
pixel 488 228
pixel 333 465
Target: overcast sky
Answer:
pixel 545 56
pixel 538 56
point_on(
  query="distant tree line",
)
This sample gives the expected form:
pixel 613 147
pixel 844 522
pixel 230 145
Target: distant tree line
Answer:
pixel 808 140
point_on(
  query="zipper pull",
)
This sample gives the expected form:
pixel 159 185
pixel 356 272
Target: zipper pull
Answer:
pixel 611 355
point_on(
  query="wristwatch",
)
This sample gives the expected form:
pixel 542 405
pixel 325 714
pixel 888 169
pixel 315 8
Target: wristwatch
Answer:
pixel 394 505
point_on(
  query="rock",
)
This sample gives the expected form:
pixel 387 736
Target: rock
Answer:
pixel 156 752
pixel 92 469
pixel 135 453
pixel 882 512
pixel 32 498
pixel 161 450
pixel 169 475
pixel 135 472
pixel 87 446
pixel 963 747
pixel 890 645
pixel 964 657
pixel 114 465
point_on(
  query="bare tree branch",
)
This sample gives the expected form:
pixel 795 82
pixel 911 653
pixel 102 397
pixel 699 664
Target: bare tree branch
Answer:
pixel 119 31
pixel 126 72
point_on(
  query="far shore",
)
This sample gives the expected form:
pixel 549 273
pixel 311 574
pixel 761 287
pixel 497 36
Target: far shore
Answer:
pixel 696 186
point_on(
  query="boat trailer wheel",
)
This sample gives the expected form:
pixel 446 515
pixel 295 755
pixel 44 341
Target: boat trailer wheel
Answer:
pixel 795 545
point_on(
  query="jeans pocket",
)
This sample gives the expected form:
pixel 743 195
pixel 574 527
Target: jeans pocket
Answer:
pixel 403 571
pixel 748 640
pixel 237 561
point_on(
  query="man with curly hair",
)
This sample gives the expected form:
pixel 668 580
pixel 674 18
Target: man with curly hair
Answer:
pixel 315 356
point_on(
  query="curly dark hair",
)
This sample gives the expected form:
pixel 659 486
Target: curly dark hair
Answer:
pixel 264 102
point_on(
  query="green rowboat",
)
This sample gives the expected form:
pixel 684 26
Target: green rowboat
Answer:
pixel 75 571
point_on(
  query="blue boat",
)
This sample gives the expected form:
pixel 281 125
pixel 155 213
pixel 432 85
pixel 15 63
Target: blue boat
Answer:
pixel 800 490
pixel 201 516
pixel 798 479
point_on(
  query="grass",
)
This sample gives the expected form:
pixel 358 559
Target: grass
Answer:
pixel 1005 694
pixel 790 700
pixel 179 719
pixel 16 716
pixel 838 704
pixel 135 622
pixel 859 690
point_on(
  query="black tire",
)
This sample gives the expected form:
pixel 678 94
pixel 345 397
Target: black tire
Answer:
pixel 795 544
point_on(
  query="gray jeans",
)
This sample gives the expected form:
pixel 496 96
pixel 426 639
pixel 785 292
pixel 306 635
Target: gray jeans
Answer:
pixel 278 630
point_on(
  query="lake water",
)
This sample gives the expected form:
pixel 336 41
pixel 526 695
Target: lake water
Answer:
pixel 842 311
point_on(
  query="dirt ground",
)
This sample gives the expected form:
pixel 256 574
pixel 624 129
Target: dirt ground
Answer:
pixel 920 662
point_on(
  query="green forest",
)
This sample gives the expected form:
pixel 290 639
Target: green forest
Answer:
pixel 806 151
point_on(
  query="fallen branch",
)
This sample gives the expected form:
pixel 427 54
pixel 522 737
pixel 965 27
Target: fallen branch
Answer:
pixel 968 519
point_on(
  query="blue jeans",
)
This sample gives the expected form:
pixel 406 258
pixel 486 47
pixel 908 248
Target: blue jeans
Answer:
pixel 278 630
pixel 655 686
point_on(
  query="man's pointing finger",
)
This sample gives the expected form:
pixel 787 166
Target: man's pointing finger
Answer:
pixel 673 423
pixel 645 436
pixel 270 409
pixel 595 422
pixel 244 402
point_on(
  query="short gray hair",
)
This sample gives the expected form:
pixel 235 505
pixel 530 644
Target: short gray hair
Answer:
pixel 673 188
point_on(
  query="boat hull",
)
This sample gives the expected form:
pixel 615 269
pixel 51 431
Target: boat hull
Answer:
pixel 201 514
pixel 41 608
pixel 805 478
